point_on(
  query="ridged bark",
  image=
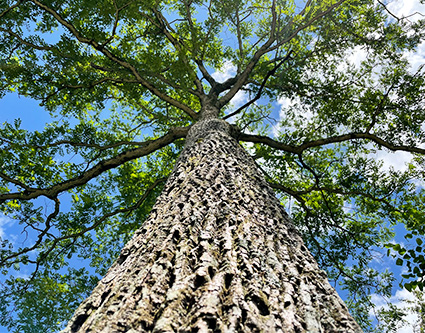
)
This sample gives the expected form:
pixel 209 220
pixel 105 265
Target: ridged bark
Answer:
pixel 217 254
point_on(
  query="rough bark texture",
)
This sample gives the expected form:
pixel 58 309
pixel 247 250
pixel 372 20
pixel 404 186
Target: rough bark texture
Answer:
pixel 217 254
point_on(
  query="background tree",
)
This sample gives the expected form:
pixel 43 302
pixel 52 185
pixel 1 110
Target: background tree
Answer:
pixel 125 80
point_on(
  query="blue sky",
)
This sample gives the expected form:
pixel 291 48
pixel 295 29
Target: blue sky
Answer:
pixel 398 160
pixel 34 117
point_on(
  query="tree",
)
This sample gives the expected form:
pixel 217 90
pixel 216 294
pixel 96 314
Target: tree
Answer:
pixel 136 101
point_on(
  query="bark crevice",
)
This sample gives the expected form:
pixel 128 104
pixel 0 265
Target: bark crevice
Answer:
pixel 217 254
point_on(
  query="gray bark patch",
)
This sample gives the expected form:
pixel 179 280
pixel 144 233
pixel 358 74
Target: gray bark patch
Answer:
pixel 217 254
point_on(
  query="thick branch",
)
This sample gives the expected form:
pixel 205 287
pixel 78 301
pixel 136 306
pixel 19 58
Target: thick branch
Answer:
pixel 260 91
pixel 205 41
pixel 321 142
pixel 10 8
pixel 75 235
pixel 111 163
pixel 205 73
pixel 178 44
pixel 287 190
pixel 242 79
pixel 117 60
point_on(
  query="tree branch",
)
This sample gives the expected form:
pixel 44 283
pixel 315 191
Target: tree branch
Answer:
pixel 78 144
pixel 10 8
pixel 260 90
pixel 116 21
pixel 52 191
pixel 40 236
pixel 205 73
pixel 177 43
pixel 16 182
pixel 242 78
pixel 99 47
pixel 321 142
pixel 75 235
pixel 379 108
pixel 237 82
pixel 395 16
pixel 82 86
pixel 302 27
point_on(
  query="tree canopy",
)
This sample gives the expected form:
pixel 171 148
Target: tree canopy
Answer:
pixel 123 81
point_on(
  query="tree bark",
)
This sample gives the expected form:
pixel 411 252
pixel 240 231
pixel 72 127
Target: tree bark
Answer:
pixel 217 254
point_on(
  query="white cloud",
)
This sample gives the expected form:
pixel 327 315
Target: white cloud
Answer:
pixel 413 10
pixel 356 56
pixel 286 103
pixel 397 160
pixel 416 58
pixel 349 207
pixel 399 300
pixel 239 99
pixel 282 102
pixel 407 8
pixel 227 71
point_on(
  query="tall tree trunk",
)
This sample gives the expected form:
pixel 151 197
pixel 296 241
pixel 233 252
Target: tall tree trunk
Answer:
pixel 217 253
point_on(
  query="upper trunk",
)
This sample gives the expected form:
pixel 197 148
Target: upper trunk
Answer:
pixel 217 253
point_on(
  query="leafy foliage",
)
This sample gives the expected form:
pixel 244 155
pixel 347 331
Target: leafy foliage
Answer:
pixel 124 80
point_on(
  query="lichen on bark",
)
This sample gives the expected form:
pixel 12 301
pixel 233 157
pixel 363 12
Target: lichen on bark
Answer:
pixel 217 254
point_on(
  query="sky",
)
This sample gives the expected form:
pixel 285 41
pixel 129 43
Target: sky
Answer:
pixel 34 118
pixel 396 160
